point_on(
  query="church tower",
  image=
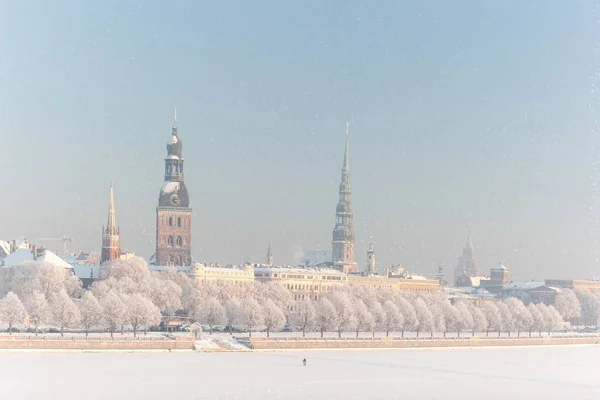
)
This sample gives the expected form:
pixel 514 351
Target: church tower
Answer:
pixel 111 241
pixel 173 214
pixel 466 264
pixel 343 233
pixel 371 268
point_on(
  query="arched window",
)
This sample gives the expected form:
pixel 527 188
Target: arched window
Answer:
pixel 115 255
pixel 179 241
pixel 171 241
pixel 179 260
pixel 170 221
pixel 179 222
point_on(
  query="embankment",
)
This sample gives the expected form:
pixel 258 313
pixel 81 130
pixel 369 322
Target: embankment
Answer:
pixel 402 343
pixel 95 343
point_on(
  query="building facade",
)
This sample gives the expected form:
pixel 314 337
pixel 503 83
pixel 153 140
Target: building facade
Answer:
pixel 342 245
pixel 173 214
pixel 111 239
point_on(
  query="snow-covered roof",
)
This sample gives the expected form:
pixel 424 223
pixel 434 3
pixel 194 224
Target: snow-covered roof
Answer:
pixel 171 157
pixel 416 277
pixel 317 257
pixel 23 256
pixel 17 258
pixel 170 187
pixel 500 266
pixel 5 247
pixel 86 271
pixel 522 285
pixel 174 139
pixel 298 270
pixel 167 267
pixel 49 257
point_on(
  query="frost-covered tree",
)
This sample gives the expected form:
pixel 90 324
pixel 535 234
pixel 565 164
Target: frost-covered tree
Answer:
pixel 508 323
pixel 480 322
pixel 137 309
pixel 12 311
pixel 64 311
pixel 567 304
pixel 274 318
pixel 376 310
pixel 326 316
pixel 424 317
pixel 38 310
pixel 48 279
pixel 211 313
pixel 465 320
pixel 113 311
pixel 90 311
pixel 166 295
pixel 364 319
pixel 251 314
pixel 492 314
pixel 152 316
pixel 346 320
pixel 451 317
pixel 393 318
pixel 408 312
pixel 552 319
pixel 537 319
pixel 305 316
pixel 521 316
pixel 590 307
pixel 233 311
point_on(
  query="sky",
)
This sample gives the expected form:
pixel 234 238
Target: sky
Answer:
pixel 461 113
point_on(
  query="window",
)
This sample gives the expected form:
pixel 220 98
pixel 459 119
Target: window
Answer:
pixel 170 241
pixel 179 222
pixel 170 221
pixel 179 241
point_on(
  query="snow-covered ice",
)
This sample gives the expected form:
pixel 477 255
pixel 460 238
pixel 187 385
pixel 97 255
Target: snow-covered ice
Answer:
pixel 484 373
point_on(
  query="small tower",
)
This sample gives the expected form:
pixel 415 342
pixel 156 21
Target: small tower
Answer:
pixel 440 275
pixel 269 256
pixel 111 241
pixel 371 268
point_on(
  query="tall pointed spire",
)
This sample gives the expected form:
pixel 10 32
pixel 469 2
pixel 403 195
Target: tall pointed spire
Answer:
pixel 111 241
pixel 346 157
pixel 111 227
pixel 175 122
pixel 269 256
pixel 343 232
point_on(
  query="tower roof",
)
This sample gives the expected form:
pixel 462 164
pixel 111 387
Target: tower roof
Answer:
pixel 111 227
pixel 346 157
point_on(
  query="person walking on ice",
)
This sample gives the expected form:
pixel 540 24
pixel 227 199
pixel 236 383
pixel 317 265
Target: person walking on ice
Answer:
pixel 304 362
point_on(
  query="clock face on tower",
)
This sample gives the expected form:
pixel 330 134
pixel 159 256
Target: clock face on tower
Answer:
pixel 348 233
pixel 174 200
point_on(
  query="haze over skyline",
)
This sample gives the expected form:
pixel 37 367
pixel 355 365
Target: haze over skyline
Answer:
pixel 462 112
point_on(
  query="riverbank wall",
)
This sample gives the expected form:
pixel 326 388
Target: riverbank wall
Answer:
pixel 294 343
pixel 139 343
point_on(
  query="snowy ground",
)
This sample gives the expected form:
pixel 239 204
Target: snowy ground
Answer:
pixel 484 373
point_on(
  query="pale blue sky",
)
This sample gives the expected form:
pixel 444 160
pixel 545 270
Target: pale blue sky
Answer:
pixel 457 109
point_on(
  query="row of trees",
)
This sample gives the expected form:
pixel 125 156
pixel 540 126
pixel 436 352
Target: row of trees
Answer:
pixel 131 295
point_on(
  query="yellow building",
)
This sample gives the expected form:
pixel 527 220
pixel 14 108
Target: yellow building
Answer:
pixel 399 285
pixel 305 283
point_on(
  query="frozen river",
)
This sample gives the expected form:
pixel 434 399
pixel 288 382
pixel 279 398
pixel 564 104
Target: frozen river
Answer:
pixel 484 373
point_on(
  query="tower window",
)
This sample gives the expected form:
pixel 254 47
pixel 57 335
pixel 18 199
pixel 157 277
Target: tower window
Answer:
pixel 170 221
pixel 179 222
pixel 179 241
pixel 171 240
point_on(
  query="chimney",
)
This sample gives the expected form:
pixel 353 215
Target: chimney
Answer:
pixel 34 252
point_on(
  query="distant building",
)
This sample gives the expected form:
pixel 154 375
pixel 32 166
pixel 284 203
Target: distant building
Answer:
pixel 342 245
pixel 466 264
pixel 499 276
pixel 371 266
pixel 111 239
pixel 173 214
pixel 317 258
pixel 269 256
pixel 440 277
